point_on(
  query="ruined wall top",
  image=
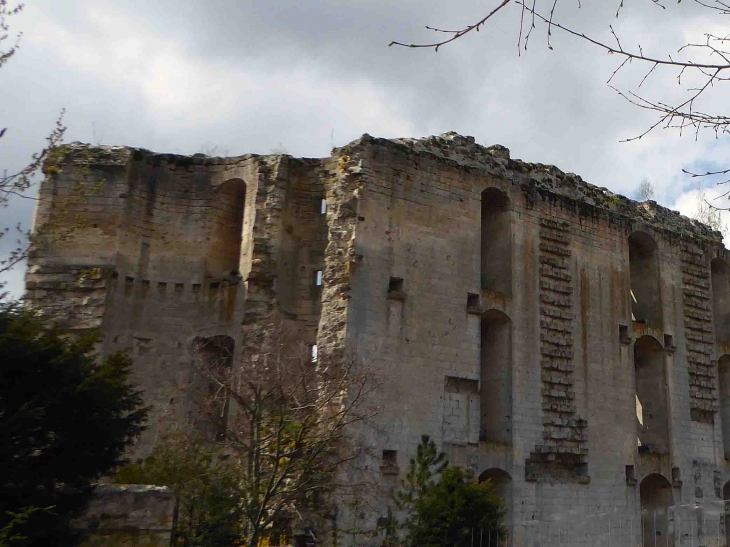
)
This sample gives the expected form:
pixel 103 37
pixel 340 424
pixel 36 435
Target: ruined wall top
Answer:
pixel 538 178
pixel 458 151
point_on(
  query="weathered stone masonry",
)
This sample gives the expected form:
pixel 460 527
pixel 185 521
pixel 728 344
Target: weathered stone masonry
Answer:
pixel 570 344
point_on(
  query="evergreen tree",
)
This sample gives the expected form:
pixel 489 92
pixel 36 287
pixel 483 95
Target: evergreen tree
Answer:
pixel 453 512
pixel 65 420
pixel 427 463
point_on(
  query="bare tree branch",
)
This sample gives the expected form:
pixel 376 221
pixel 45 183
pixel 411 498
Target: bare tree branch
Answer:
pixel 455 34
pixel 687 113
pixel 290 422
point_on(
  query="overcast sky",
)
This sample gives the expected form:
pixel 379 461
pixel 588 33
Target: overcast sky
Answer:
pixel 255 76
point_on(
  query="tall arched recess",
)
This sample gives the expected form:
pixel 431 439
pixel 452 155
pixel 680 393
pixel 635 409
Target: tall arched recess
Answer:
pixel 656 498
pixel 723 369
pixel 496 378
pixel 652 413
pixel 721 299
pixel 226 224
pixel 646 301
pixel 496 237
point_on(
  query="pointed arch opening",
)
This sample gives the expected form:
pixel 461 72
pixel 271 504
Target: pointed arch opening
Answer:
pixel 646 302
pixel 652 417
pixel 496 241
pixel 721 299
pixel 226 227
pixel 496 378
pixel 655 492
pixel 502 483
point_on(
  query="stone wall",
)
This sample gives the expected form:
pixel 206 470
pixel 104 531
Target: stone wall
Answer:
pixel 128 515
pixel 158 250
pixel 568 430
pixel 550 335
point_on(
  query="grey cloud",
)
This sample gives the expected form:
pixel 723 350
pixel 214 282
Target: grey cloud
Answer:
pixel 324 67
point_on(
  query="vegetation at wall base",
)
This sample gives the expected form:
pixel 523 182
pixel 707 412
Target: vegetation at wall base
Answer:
pixel 443 512
pixel 206 486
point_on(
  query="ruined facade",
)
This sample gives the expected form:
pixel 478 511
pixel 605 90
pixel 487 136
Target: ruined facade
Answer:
pixel 568 343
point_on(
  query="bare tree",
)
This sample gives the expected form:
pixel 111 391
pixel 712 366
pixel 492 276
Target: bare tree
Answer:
pixel 214 150
pixel 703 66
pixel 15 185
pixel 289 417
pixel 646 190
pixel 709 214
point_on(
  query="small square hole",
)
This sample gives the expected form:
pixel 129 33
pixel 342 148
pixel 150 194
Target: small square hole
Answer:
pixel 196 287
pixel 472 300
pixel 179 287
pixel 115 275
pixel 668 341
pixel 215 285
pixel 162 287
pixel 623 334
pixel 630 475
pixel 128 280
pixel 395 284
pixel 676 475
pixel 145 283
pixel 390 458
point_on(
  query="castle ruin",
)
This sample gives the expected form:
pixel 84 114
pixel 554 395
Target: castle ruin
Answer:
pixel 566 342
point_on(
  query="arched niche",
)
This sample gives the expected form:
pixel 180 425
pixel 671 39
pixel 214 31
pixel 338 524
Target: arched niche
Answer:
pixel 213 361
pixel 723 370
pixel 652 416
pixel 646 301
pixel 721 299
pixel 655 493
pixel 502 483
pixel 496 241
pixel 496 378
pixel 225 216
